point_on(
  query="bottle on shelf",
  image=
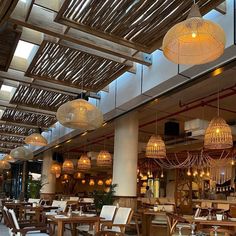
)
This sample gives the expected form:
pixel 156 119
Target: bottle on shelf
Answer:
pixel 155 208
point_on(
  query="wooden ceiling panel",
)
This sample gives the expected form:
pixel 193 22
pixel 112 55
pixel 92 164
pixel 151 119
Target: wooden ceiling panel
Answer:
pixel 39 98
pixel 8 42
pixel 67 66
pixel 6 8
pixel 138 24
pixel 7 139
pixel 20 116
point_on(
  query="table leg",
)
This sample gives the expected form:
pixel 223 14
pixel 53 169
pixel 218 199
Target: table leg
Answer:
pixel 60 228
pixel 74 229
pixel 96 226
pixel 146 224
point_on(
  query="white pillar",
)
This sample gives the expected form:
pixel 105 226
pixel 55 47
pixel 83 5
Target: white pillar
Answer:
pixel 48 179
pixel 126 155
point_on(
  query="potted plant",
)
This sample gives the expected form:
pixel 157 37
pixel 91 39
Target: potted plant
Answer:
pixel 104 197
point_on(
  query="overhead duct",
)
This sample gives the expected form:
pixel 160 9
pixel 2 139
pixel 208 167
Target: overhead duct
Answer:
pixel 196 128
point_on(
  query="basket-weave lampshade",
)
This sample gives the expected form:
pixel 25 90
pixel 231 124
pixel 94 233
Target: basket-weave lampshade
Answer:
pixel 4 165
pixel 78 175
pixel 100 182
pixel 156 147
pixel 218 135
pixel 9 158
pixel 104 159
pixel 65 177
pixel 84 162
pixel 21 153
pixel 36 139
pixel 79 114
pixel 91 182
pixel 108 181
pixel 194 41
pixel 68 166
pixel 56 169
pixel 83 181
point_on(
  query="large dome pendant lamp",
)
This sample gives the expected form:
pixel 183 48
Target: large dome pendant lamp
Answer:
pixel 218 134
pixel 194 41
pixel 36 139
pixel 79 113
pixel 156 147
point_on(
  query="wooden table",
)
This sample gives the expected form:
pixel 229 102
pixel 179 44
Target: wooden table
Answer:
pixel 147 216
pixel 74 220
pixel 199 222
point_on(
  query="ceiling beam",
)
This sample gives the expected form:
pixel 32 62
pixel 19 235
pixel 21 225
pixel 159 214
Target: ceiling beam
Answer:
pixel 25 108
pixel 21 125
pixel 13 135
pixel 11 143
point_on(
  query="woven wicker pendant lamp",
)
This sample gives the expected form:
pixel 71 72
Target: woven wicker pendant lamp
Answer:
pixel 36 139
pixel 56 169
pixel 104 159
pixel 8 158
pixel 218 134
pixel 194 40
pixel 22 153
pixel 156 147
pixel 84 162
pixel 4 165
pixel 68 166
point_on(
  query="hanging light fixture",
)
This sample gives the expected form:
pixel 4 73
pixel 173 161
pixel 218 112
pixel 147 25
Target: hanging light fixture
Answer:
pixel 22 153
pixel 36 139
pixel 84 162
pixel 218 134
pixel 65 177
pixel 78 175
pixel 83 181
pixel 104 159
pixel 56 169
pixel 194 40
pixel 156 147
pixel 8 158
pixel 91 182
pixel 100 182
pixel 68 166
pixel 4 165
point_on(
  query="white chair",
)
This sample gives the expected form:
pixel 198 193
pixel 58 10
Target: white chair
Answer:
pixel 74 199
pixel 121 220
pixel 34 200
pixel 60 204
pixel 107 215
pixel 27 231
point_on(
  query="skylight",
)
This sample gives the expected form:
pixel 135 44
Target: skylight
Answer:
pixel 23 49
pixel 6 88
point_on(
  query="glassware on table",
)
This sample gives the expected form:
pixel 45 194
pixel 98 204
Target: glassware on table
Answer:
pixel 215 229
pixel 80 210
pixel 193 227
pixel 209 217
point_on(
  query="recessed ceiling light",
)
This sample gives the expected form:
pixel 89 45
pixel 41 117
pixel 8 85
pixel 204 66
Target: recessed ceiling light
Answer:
pixel 23 49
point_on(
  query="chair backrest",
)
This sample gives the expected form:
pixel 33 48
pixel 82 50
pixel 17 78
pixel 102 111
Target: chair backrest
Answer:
pixel 33 200
pixel 74 198
pixel 123 215
pixel 173 220
pixel 108 212
pixel 5 214
pixel 223 206
pixel 14 219
pixel 206 204
pixel 88 200
pixel 61 204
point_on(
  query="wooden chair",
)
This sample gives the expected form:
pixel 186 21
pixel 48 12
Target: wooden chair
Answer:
pixel 19 230
pixel 122 219
pixel 107 215
pixel 173 221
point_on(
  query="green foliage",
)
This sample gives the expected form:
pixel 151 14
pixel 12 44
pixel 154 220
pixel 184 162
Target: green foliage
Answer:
pixel 34 188
pixel 104 198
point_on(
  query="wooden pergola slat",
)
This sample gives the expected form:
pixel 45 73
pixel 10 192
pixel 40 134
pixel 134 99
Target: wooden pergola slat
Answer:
pixel 136 24
pixel 67 66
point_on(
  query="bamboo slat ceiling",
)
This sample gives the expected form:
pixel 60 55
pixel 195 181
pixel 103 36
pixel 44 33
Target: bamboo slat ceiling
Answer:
pixel 24 117
pixel 139 24
pixel 6 7
pixel 17 130
pixel 67 66
pixel 39 98
pixel 16 140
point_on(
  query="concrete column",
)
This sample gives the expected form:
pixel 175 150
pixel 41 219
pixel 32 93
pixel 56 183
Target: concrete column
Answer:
pixel 126 155
pixel 48 179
